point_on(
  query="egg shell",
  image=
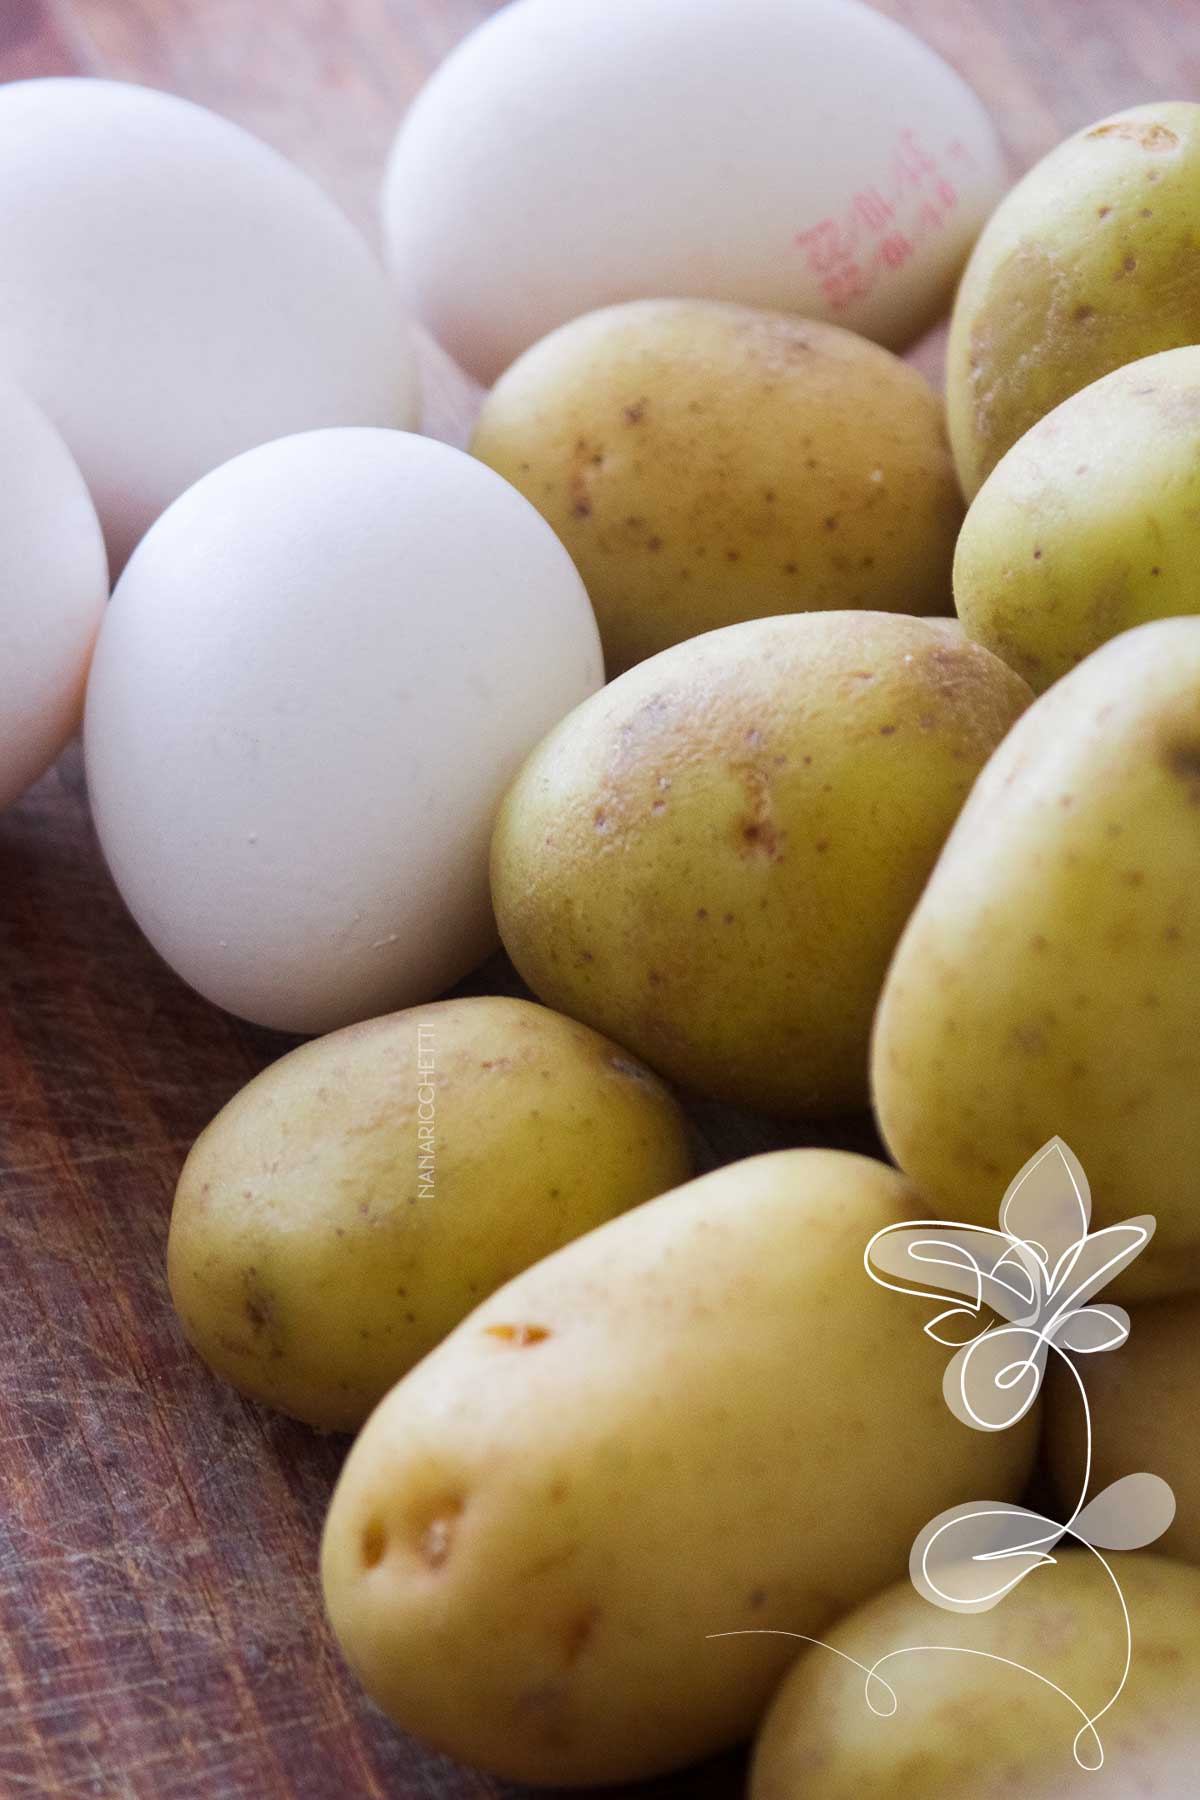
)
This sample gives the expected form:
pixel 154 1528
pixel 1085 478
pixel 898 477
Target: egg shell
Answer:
pixel 316 677
pixel 53 586
pixel 172 292
pixel 803 155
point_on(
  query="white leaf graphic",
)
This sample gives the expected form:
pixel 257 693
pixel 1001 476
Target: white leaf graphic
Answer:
pixel 1094 1261
pixel 939 1261
pixel 1128 1515
pixel 965 1330
pixel 993 1381
pixel 969 1557
pixel 1049 1203
pixel 1092 1328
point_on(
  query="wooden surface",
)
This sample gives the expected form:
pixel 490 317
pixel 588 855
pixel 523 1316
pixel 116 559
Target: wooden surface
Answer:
pixel 160 1626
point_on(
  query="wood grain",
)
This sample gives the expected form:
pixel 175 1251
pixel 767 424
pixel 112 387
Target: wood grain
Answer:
pixel 160 1627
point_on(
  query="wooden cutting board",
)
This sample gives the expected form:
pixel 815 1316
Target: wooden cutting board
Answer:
pixel 161 1634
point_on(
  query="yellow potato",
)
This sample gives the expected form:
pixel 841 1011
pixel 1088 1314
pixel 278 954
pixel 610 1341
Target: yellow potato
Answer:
pixel 702 1418
pixel 1091 522
pixel 969 1729
pixel 1145 1403
pixel 1090 262
pixel 706 463
pixel 1048 983
pixel 712 859
pixel 359 1197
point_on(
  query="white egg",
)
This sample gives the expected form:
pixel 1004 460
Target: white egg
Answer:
pixel 317 675
pixel 172 292
pixel 53 586
pixel 806 155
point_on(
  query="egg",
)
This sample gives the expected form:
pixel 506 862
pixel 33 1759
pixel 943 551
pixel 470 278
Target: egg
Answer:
pixel 799 155
pixel 53 586
pixel 318 673
pixel 173 292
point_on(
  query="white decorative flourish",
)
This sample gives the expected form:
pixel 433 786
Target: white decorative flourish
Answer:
pixel 1019 1293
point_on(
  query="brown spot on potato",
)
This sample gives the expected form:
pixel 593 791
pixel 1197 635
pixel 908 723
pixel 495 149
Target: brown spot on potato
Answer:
pixel 1159 140
pixel 579 1631
pixel 374 1543
pixel 757 832
pixel 633 415
pixel 1182 758
pixel 521 1336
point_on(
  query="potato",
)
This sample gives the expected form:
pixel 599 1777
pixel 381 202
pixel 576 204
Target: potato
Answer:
pixel 1091 522
pixel 967 1729
pixel 1048 983
pixel 702 1418
pixel 712 860
pixel 359 1197
pixel 1144 1405
pixel 1090 262
pixel 706 463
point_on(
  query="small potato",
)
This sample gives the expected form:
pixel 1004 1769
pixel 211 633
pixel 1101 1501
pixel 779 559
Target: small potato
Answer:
pixel 702 1418
pixel 965 1728
pixel 1145 1405
pixel 711 860
pixel 1091 523
pixel 706 463
pixel 361 1195
pixel 1048 982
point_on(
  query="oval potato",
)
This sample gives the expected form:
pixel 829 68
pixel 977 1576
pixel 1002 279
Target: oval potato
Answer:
pixel 361 1195
pixel 702 1418
pixel 712 859
pixel 1048 982
pixel 705 464
pixel 1090 525
pixel 969 1729
pixel 1089 263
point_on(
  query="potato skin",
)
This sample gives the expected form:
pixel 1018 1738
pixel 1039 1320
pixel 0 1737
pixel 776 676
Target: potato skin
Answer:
pixel 313 1258
pixel 1090 525
pixel 708 463
pixel 711 861
pixel 965 1729
pixel 1089 263
pixel 1048 982
pixel 1144 1403
pixel 701 1418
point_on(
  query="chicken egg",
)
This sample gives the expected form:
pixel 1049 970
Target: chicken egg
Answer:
pixel 172 292
pixel 317 675
pixel 53 586
pixel 800 155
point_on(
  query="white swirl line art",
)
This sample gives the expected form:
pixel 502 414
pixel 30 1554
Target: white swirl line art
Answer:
pixel 1019 1294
